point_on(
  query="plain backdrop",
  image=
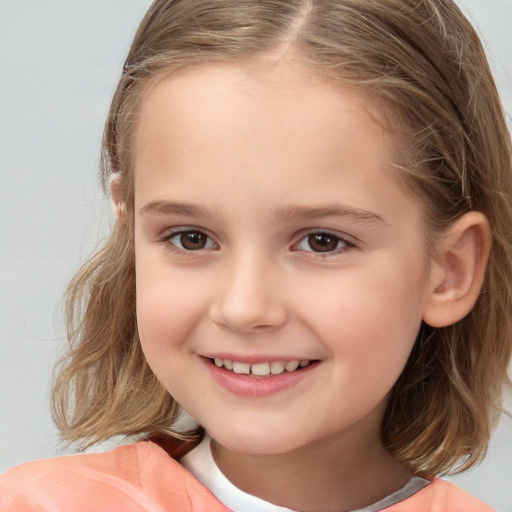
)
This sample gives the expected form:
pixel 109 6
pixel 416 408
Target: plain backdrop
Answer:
pixel 59 63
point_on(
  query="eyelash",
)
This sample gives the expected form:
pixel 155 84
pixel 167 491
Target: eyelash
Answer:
pixel 167 241
pixel 346 245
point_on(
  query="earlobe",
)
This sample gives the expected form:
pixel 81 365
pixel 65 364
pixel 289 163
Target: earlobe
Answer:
pixel 458 272
pixel 118 196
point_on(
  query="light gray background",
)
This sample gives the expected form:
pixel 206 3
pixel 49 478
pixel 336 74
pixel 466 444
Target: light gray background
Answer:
pixel 59 63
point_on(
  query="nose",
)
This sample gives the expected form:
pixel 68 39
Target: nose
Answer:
pixel 249 297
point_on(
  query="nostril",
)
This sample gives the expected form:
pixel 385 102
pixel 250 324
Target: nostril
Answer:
pixel 263 327
pixel 240 318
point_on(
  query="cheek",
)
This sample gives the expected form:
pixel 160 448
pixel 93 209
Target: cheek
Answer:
pixel 169 307
pixel 371 318
pixel 168 313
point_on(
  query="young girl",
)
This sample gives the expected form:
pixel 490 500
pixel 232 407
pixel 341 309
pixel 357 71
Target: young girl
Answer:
pixel 311 257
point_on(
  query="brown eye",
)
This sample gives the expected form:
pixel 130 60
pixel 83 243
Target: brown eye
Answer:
pixel 321 242
pixel 191 240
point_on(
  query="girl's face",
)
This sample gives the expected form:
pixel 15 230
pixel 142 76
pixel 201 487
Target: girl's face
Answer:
pixel 281 266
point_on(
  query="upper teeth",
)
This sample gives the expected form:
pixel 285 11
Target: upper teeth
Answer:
pixel 261 369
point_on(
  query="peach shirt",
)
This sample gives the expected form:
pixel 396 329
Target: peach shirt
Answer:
pixel 144 477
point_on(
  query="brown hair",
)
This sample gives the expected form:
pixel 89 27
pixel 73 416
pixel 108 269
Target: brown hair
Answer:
pixel 424 61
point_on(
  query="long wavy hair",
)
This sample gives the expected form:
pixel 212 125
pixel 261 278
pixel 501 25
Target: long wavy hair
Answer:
pixel 426 65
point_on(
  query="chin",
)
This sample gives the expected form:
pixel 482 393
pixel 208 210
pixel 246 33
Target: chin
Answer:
pixel 257 442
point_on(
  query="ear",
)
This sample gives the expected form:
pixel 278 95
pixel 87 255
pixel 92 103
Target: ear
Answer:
pixel 458 271
pixel 118 196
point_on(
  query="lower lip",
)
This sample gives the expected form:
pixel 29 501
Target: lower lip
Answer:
pixel 256 387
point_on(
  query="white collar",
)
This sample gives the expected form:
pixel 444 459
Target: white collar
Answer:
pixel 201 464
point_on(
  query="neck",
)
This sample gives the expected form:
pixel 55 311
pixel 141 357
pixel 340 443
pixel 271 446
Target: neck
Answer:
pixel 334 474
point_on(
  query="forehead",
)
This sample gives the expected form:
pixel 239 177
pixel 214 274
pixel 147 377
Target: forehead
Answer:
pixel 265 126
pixel 257 101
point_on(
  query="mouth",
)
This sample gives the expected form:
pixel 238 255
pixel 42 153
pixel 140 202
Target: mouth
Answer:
pixel 255 377
pixel 262 369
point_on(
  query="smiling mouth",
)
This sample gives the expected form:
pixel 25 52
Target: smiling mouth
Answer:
pixel 265 369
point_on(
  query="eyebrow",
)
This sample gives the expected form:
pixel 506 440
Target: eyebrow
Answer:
pixel 287 214
pixel 172 208
pixel 335 210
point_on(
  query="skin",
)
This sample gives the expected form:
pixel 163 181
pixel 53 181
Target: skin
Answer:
pixel 263 155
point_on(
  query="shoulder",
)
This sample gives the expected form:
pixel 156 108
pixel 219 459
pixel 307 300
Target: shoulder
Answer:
pixel 441 495
pixel 140 477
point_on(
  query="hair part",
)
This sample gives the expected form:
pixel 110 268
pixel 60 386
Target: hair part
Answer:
pixel 426 65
